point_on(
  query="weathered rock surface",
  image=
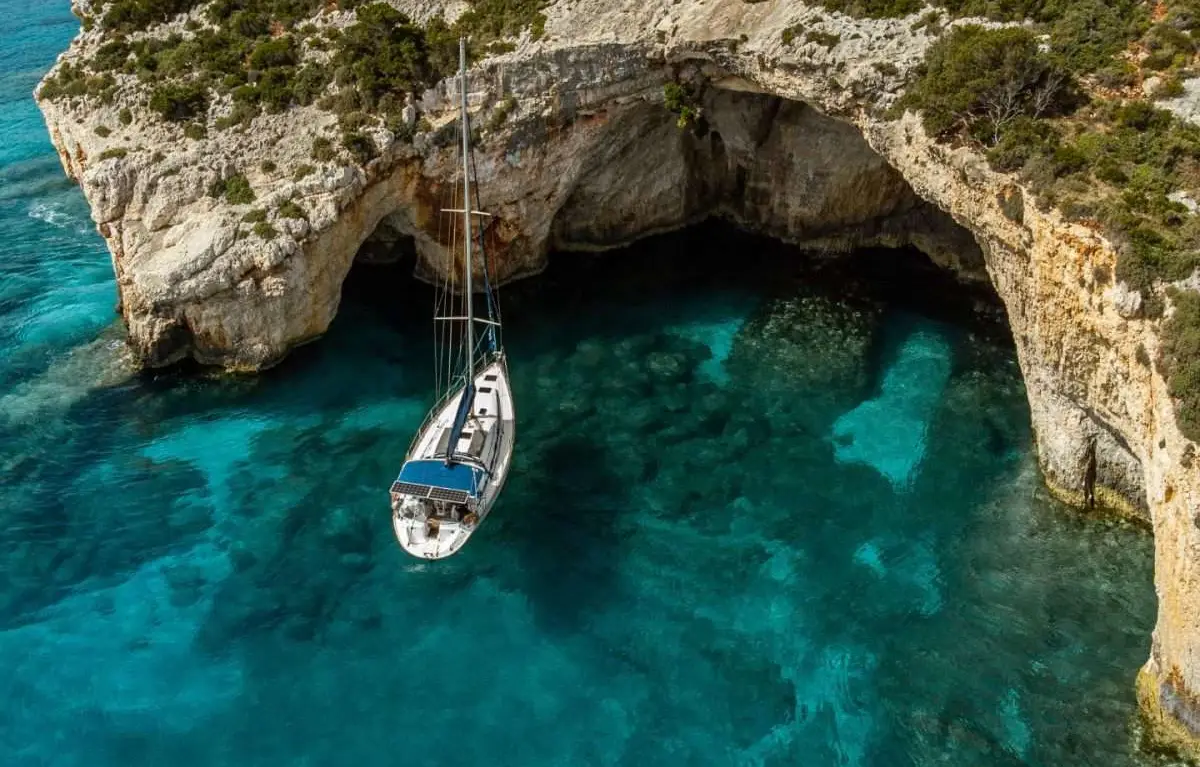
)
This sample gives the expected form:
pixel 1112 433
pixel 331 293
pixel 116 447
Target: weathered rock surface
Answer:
pixel 793 143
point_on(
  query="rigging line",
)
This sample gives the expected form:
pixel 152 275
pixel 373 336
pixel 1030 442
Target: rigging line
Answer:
pixel 452 351
pixel 449 297
pixel 444 299
pixel 493 306
pixel 438 332
pixel 493 292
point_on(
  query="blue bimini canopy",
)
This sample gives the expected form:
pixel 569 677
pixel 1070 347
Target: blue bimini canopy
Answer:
pixel 439 481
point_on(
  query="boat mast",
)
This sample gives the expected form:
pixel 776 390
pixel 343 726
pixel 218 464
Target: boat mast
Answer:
pixel 466 158
pixel 467 399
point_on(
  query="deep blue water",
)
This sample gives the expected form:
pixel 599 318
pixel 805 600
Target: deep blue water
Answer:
pixel 758 516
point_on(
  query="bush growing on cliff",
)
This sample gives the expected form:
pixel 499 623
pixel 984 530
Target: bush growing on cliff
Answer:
pixel 980 81
pixel 235 189
pixel 111 56
pixel 1181 347
pixel 1086 34
pixel 241 114
pixel 1024 139
pixel 178 102
pixel 289 209
pixel 827 39
pixel 132 15
pixel 360 147
pixel 74 81
pixel 875 9
pixel 280 52
pixel 490 20
pixel 311 81
pixel 500 114
pixel 252 18
pixel 384 53
pixel 680 100
pixel 322 149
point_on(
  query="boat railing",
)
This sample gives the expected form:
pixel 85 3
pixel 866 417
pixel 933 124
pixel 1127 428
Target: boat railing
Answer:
pixel 433 411
pixel 437 407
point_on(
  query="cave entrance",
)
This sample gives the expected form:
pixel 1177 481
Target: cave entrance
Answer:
pixel 380 284
pixel 664 277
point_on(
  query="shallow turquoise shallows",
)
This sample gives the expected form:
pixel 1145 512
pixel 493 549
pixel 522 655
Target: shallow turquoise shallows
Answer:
pixel 760 514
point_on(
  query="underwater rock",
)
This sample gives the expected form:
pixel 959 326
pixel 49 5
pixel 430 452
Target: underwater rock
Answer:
pixel 889 432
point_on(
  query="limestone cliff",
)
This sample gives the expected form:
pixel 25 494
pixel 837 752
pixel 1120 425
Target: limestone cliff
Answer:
pixel 578 152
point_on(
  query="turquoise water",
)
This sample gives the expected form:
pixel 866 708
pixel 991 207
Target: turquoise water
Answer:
pixel 775 519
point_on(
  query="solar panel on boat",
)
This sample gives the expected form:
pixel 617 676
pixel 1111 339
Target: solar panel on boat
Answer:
pixel 442 494
pixel 408 488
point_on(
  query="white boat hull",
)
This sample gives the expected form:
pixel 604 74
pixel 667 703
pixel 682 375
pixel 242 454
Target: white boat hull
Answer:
pixel 436 523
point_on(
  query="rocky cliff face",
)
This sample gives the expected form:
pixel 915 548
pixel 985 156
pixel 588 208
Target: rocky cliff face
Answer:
pixel 577 152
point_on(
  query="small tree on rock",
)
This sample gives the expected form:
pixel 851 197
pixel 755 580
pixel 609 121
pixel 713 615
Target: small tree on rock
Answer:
pixel 980 81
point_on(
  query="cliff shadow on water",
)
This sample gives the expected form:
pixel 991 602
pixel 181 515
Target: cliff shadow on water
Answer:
pixel 587 292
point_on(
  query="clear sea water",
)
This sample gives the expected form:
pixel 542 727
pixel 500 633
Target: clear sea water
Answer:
pixel 758 516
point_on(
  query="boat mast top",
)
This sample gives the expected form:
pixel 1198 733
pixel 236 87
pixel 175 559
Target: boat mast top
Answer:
pixel 466 158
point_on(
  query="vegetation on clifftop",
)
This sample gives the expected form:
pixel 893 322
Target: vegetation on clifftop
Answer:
pixel 272 55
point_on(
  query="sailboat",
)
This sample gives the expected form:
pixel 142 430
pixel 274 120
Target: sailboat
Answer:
pixel 460 457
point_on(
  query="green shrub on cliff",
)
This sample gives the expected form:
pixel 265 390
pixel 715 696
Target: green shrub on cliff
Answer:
pixel 280 52
pixel 383 53
pixel 73 81
pixel 827 39
pixel 982 81
pixel 489 20
pixel 1181 349
pixel 289 209
pixel 680 100
pixel 360 147
pixel 111 56
pixel 178 102
pixel 322 149
pixel 875 9
pixel 132 15
pixel 235 189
